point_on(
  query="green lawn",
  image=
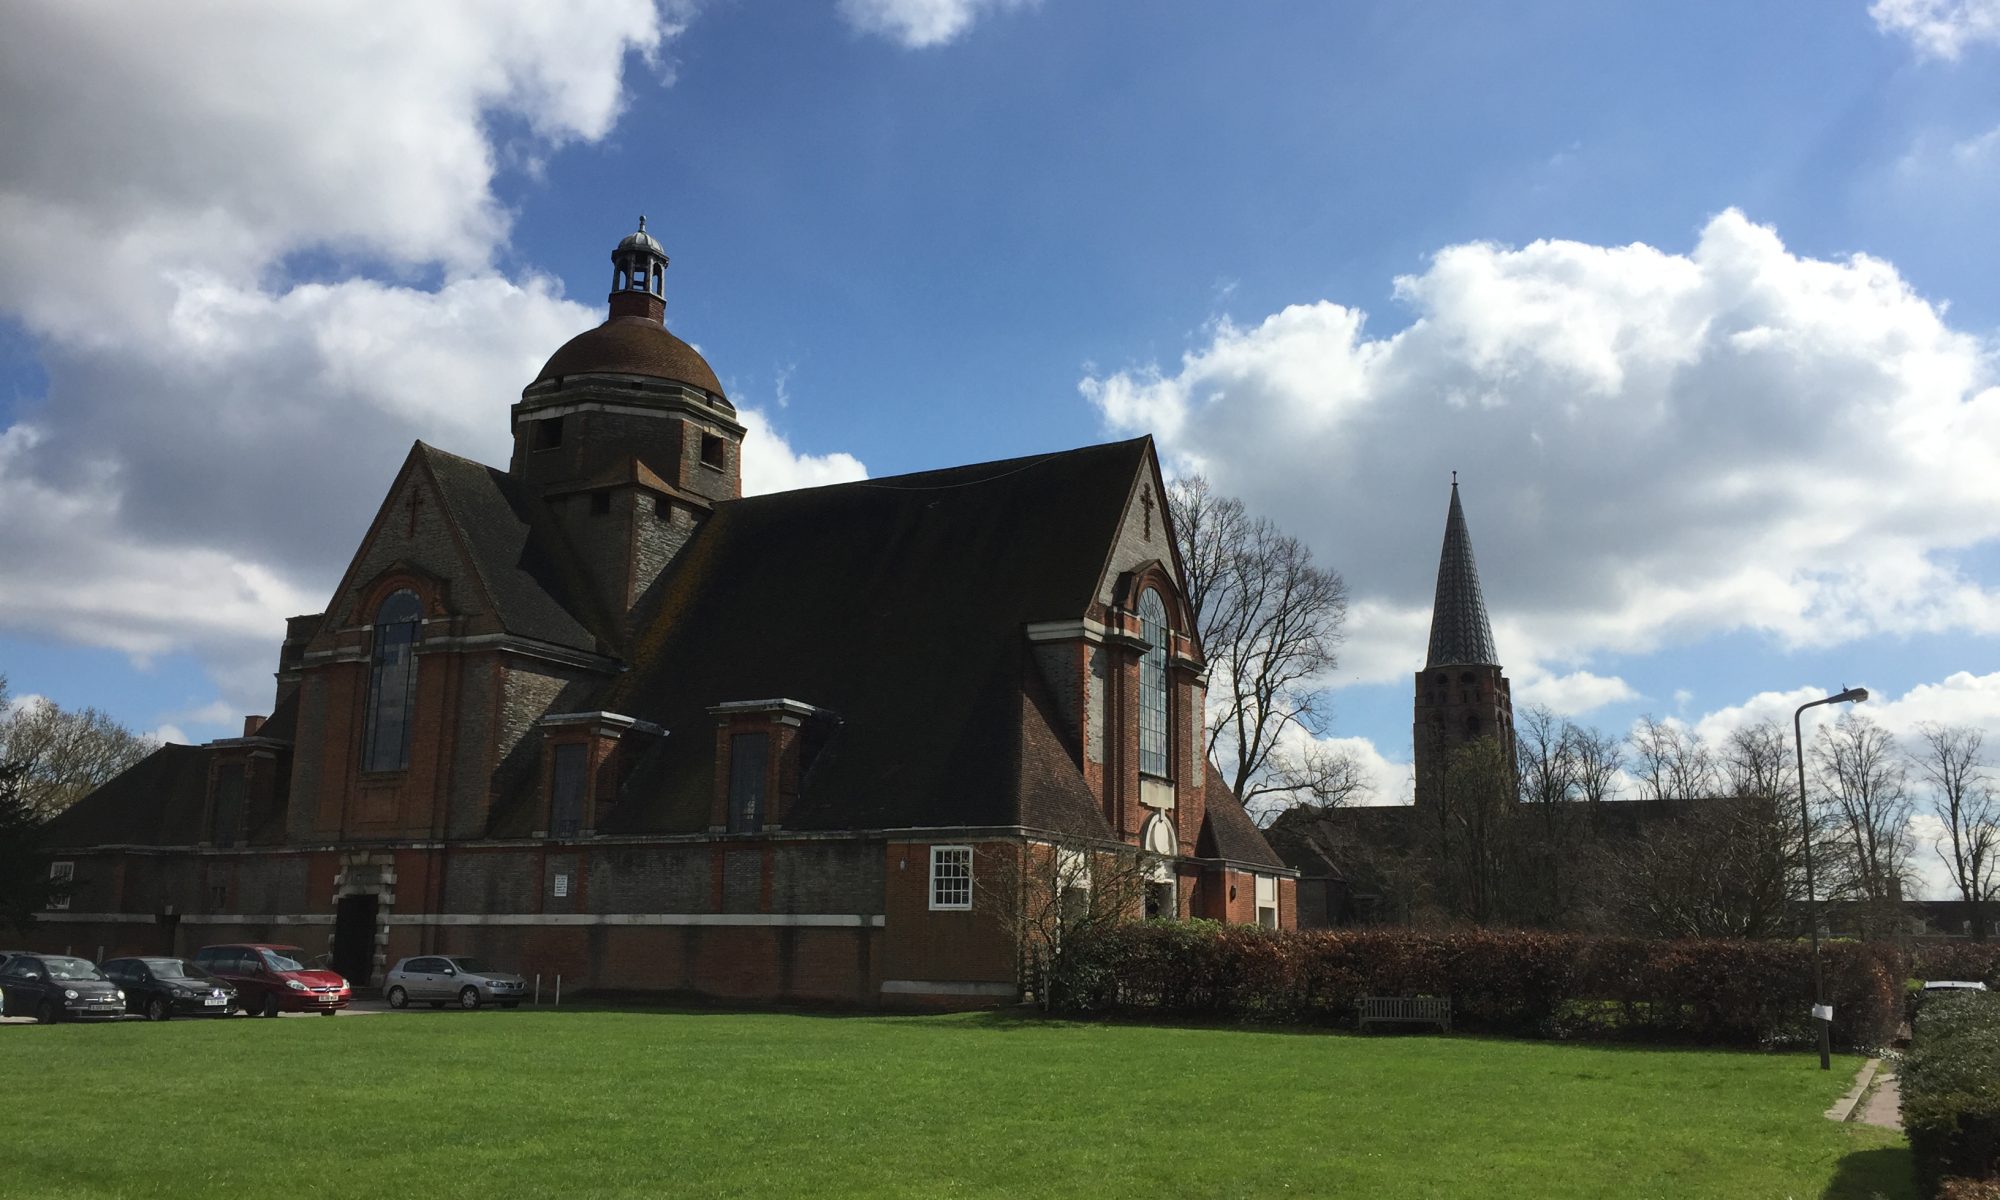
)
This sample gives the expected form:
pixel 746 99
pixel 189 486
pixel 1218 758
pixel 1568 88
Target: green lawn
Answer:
pixel 530 1104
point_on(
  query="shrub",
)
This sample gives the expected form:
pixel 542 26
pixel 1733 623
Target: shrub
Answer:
pixel 1958 960
pixel 1951 1090
pixel 1969 1189
pixel 1537 984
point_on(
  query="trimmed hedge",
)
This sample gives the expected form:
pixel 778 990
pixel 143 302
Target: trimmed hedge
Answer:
pixel 1535 984
pixel 1958 960
pixel 1951 1090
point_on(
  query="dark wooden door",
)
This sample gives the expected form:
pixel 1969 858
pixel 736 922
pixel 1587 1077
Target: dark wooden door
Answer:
pixel 354 938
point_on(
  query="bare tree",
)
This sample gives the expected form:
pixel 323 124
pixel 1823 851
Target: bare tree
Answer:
pixel 1270 623
pixel 1599 759
pixel 1478 834
pixel 1054 897
pixel 1864 793
pixel 1545 753
pixel 1951 759
pixel 1670 761
pixel 62 755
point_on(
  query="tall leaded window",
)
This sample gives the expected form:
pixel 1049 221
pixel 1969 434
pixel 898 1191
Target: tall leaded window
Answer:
pixel 749 760
pixel 1153 685
pixel 392 683
pixel 566 790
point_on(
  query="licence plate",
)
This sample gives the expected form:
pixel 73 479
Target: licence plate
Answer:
pixel 213 1002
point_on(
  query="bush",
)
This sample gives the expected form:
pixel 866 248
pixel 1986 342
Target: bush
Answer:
pixel 1951 1090
pixel 1958 960
pixel 1536 984
pixel 1969 1189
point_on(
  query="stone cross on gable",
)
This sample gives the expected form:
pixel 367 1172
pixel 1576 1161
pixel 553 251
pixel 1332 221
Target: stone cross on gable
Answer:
pixel 1146 503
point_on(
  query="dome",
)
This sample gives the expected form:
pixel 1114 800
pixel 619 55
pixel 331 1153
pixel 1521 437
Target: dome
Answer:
pixel 632 346
pixel 640 241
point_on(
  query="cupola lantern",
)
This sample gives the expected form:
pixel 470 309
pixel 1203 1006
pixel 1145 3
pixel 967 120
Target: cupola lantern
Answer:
pixel 639 277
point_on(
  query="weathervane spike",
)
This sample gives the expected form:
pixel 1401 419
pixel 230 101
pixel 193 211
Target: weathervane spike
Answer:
pixel 642 222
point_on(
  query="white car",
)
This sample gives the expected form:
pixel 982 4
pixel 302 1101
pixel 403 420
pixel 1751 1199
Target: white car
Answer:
pixel 441 979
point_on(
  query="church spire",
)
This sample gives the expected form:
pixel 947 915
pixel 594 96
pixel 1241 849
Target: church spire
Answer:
pixel 1460 634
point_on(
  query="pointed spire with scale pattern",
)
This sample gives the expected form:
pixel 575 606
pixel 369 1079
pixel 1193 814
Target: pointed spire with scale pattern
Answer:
pixel 1460 634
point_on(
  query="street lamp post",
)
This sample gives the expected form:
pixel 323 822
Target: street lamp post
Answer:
pixel 1820 1012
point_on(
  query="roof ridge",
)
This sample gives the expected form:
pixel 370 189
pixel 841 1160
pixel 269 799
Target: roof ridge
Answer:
pixel 899 483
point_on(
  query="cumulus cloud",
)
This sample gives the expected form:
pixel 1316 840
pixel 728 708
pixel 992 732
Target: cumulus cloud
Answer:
pixel 253 275
pixel 1940 28
pixel 920 23
pixel 771 465
pixel 1655 446
pixel 1573 694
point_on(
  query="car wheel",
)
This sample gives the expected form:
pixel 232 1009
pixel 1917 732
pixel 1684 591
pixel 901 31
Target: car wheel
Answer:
pixel 270 1006
pixel 468 998
pixel 398 998
pixel 48 1013
pixel 157 1009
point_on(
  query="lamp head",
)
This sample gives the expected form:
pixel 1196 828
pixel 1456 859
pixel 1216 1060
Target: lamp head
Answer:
pixel 1851 694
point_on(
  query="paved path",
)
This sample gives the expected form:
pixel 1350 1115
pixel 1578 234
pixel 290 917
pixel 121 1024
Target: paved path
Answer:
pixel 1884 1103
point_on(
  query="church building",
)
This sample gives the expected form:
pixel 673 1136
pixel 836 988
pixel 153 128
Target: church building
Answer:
pixel 599 714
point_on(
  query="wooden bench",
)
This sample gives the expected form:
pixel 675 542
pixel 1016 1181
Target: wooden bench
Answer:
pixel 1423 1010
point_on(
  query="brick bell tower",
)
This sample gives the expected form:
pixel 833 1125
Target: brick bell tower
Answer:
pixel 627 435
pixel 1461 694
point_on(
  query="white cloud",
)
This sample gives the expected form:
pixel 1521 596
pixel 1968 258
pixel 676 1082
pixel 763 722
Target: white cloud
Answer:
pixel 1939 28
pixel 1573 694
pixel 920 23
pixel 771 465
pixel 1655 447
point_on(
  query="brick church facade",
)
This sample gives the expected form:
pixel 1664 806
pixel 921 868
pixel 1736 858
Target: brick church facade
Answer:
pixel 598 714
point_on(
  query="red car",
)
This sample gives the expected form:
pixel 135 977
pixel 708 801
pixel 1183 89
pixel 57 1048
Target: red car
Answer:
pixel 273 979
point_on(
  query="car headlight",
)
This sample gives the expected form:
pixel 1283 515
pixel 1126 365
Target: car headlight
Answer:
pixel 295 985
pixel 69 993
pixel 121 995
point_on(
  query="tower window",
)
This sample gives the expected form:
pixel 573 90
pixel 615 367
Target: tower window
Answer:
pixel 711 451
pixel 392 683
pixel 1153 685
pixel 548 433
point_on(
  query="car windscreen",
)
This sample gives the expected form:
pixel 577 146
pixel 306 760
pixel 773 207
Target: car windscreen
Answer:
pixel 72 968
pixel 285 958
pixel 472 966
pixel 174 968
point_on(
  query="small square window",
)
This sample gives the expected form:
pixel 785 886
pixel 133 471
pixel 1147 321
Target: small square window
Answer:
pixel 548 433
pixel 663 508
pixel 61 873
pixel 1267 901
pixel 951 877
pixel 711 451
pixel 562 885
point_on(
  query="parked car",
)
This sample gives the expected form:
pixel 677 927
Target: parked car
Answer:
pixel 451 979
pixel 56 987
pixel 270 979
pixel 170 987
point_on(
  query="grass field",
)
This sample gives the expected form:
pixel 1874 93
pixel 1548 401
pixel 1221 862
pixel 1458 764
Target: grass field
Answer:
pixel 530 1104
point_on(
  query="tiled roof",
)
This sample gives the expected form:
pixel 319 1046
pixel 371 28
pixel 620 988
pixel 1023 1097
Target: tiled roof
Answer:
pixel 632 346
pixel 1460 634
pixel 1228 832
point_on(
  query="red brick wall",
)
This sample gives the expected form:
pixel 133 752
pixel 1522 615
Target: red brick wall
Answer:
pixel 970 946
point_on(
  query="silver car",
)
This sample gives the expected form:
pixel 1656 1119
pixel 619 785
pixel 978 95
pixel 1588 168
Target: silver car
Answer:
pixel 441 979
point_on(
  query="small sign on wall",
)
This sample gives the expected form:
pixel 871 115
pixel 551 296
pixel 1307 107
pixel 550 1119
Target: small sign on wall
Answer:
pixel 562 885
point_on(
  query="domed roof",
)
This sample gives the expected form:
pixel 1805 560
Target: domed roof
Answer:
pixel 632 346
pixel 640 241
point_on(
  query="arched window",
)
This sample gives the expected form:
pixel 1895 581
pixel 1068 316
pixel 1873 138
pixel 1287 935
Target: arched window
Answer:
pixel 392 684
pixel 1153 685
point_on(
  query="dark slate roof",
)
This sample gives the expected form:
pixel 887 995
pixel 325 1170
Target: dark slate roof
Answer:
pixel 631 346
pixel 899 604
pixel 1228 832
pixel 1460 635
pixel 157 801
pixel 518 554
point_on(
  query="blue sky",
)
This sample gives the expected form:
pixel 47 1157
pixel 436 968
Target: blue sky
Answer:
pixel 1598 258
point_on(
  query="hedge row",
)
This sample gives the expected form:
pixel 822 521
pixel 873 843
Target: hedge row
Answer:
pixel 1957 960
pixel 1951 1091
pixel 1537 984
